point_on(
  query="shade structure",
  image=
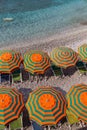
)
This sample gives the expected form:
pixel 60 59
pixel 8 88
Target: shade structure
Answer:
pixel 46 106
pixel 82 51
pixel 64 57
pixel 11 104
pixel 36 62
pixel 77 101
pixel 9 60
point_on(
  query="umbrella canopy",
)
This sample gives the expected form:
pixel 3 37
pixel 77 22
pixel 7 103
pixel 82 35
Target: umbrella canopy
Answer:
pixel 9 60
pixel 82 51
pixel 11 105
pixel 36 62
pixel 46 106
pixel 64 57
pixel 77 101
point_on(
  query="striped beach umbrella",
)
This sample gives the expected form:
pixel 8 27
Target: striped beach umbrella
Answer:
pixel 46 106
pixel 82 51
pixel 77 101
pixel 11 104
pixel 36 62
pixel 64 57
pixel 9 60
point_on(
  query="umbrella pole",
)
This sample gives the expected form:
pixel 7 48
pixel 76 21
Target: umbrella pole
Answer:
pixel 53 71
pixel 80 123
pixel 29 75
pixel 48 127
pixel 45 128
pixel 38 78
pixel 31 125
pixel 45 77
pixel 62 73
pixel 70 128
pixel 0 78
pixel 9 79
pixel 20 72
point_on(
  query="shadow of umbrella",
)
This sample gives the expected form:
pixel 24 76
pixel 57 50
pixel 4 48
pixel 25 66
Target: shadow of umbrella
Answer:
pixel 69 71
pixel 26 120
pixel 25 92
pixel 85 128
pixel 36 126
pixel 61 90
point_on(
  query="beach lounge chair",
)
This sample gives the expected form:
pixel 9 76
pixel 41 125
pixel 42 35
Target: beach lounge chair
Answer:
pixel 16 124
pixel 81 67
pixel 2 127
pixel 57 71
pixel 31 76
pixel 17 76
pixel 25 75
pixel 71 118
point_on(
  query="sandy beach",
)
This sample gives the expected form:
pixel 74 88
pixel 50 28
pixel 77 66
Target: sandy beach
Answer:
pixel 72 38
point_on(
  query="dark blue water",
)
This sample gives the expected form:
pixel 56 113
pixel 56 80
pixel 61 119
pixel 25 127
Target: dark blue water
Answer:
pixel 38 18
pixel 11 6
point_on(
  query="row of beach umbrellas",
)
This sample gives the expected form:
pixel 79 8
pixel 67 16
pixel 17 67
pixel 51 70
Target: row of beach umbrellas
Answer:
pixel 36 61
pixel 45 105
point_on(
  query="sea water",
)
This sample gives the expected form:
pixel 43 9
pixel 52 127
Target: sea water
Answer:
pixel 35 19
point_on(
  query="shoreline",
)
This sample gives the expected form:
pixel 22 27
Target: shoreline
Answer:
pixel 72 37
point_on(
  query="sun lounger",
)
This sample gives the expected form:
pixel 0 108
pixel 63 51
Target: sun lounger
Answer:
pixel 57 71
pixel 16 124
pixel 16 76
pixel 81 67
pixel 2 127
pixel 71 118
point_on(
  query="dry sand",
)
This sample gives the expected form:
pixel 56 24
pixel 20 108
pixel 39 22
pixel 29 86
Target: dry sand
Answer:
pixel 72 38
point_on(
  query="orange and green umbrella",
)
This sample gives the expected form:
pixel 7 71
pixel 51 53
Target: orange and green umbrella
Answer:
pixel 64 57
pixel 46 106
pixel 9 61
pixel 77 101
pixel 11 104
pixel 82 51
pixel 36 62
